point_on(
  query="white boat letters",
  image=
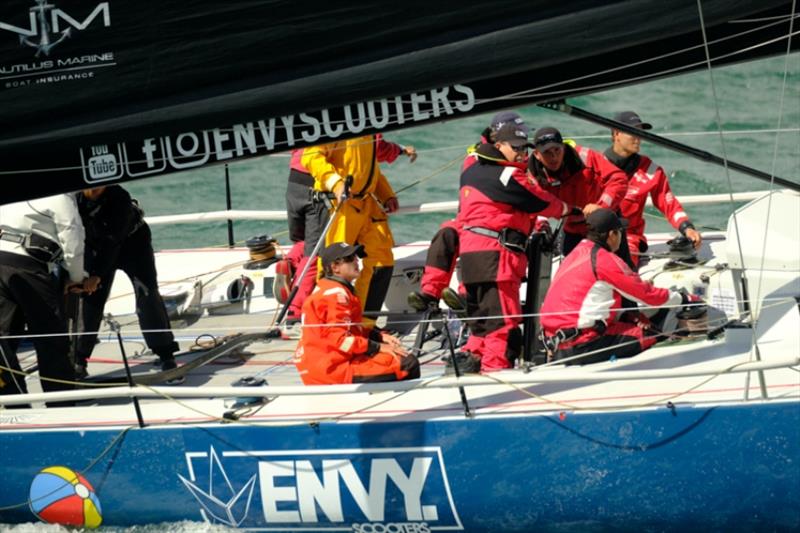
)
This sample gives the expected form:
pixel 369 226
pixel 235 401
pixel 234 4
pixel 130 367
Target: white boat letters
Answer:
pixel 369 490
pixel 156 155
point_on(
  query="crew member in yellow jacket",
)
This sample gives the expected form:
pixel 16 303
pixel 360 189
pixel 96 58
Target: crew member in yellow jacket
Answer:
pixel 363 217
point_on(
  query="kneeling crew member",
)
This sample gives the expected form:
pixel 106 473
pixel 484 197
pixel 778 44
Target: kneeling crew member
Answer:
pixel 335 347
pixel 581 312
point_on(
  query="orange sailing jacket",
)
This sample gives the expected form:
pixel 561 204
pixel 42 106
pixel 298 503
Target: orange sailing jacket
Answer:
pixel 335 347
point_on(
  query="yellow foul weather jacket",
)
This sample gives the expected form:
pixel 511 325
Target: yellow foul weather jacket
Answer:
pixel 331 163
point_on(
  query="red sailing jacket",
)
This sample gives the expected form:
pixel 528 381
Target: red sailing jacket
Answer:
pixel 496 194
pixel 585 290
pixel 385 151
pixel 649 179
pixel 585 177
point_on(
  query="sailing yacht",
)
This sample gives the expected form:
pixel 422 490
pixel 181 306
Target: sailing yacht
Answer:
pixel 700 430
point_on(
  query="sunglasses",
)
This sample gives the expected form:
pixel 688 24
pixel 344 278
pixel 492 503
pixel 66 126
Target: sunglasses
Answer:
pixel 519 149
pixel 347 259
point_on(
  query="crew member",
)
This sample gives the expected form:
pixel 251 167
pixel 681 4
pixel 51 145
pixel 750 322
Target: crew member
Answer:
pixel 577 175
pixel 35 237
pixel 443 250
pixel 644 178
pixel 363 219
pixel 497 200
pixel 117 237
pixel 335 347
pixel 308 214
pixel 581 311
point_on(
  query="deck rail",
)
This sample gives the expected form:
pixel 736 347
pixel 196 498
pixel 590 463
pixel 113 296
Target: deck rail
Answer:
pixel 545 375
pixel 430 207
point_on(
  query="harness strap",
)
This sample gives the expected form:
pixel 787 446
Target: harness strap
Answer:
pixel 593 256
pixel 360 193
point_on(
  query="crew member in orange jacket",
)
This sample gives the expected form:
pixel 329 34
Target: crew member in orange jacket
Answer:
pixel 363 219
pixel 335 347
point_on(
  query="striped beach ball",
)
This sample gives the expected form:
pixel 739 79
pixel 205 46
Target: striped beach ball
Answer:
pixel 59 495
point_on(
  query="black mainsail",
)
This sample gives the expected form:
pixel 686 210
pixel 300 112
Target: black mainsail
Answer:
pixel 97 92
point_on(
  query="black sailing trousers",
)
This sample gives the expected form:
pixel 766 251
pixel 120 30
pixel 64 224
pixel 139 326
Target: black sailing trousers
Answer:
pixel 135 258
pixel 30 295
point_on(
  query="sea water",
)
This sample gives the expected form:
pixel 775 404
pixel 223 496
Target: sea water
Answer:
pixel 747 104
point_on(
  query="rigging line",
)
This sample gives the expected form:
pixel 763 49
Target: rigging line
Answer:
pixel 531 93
pixel 780 18
pixel 774 164
pixel 724 151
pixel 663 56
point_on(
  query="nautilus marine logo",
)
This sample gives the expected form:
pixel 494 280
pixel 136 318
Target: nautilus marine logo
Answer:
pixel 49 26
pixel 378 489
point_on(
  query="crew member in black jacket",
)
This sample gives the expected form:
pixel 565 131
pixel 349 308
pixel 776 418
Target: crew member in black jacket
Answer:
pixel 117 237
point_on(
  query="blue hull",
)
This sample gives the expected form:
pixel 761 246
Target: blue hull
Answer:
pixel 735 467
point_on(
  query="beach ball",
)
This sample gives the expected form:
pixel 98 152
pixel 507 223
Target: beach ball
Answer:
pixel 59 495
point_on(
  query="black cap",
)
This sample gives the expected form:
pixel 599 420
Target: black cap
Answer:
pixel 544 138
pixel 339 250
pixel 630 118
pixel 604 220
pixel 508 117
pixel 513 134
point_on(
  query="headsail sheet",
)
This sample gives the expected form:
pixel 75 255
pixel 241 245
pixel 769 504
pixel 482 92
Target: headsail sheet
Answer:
pixel 97 92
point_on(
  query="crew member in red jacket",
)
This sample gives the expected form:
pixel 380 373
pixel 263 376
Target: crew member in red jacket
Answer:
pixel 579 176
pixel 307 215
pixel 644 178
pixel 581 312
pixel 443 250
pixel 497 200
pixel 335 346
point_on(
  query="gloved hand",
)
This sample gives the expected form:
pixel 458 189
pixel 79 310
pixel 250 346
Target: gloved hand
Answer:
pixel 694 306
pixel 576 211
pixel 391 205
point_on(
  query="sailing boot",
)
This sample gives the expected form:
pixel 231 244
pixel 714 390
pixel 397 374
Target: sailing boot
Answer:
pixel 167 359
pixel 422 301
pixel 80 369
pixel 468 363
pixel 291 329
pixel 455 302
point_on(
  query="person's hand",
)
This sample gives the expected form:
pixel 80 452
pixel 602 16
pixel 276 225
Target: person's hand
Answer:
pixel 542 226
pixel 411 152
pixel 91 284
pixel 73 287
pixel 338 190
pixel 391 205
pixel 588 209
pixel 390 339
pixel 694 236
pixel 395 350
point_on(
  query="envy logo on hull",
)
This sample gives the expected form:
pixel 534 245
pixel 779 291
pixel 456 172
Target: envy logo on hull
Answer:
pixel 377 489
